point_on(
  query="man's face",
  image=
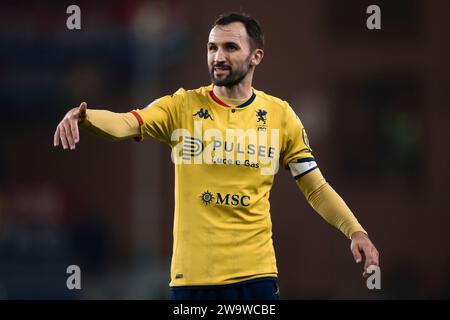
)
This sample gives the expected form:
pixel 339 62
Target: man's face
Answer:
pixel 229 54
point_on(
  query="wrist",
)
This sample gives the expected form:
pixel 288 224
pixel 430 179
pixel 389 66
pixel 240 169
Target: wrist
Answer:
pixel 358 234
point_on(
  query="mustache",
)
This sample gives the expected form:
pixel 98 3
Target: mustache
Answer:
pixel 221 65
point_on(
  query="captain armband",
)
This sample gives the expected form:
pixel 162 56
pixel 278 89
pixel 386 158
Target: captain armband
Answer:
pixel 302 166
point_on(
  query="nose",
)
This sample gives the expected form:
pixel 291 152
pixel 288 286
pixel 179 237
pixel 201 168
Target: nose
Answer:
pixel 219 56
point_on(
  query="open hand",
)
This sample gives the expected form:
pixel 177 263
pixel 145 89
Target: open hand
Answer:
pixel 361 243
pixel 67 130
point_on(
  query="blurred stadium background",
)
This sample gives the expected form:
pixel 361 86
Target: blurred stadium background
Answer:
pixel 374 103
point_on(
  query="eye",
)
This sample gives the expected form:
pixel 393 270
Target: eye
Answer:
pixel 232 47
pixel 212 48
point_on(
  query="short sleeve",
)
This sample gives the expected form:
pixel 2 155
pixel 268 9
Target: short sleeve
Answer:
pixel 296 146
pixel 158 119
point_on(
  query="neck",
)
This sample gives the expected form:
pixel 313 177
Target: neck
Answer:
pixel 242 90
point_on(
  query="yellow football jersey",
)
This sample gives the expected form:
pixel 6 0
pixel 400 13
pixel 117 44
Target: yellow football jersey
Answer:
pixel 225 160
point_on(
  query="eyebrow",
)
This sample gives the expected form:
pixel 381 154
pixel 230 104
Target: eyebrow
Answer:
pixel 225 43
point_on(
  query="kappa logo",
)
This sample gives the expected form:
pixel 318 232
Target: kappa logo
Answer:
pixel 203 114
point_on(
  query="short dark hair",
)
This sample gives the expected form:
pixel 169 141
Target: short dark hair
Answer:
pixel 252 26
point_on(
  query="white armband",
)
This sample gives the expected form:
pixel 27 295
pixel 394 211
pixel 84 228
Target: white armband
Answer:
pixel 302 167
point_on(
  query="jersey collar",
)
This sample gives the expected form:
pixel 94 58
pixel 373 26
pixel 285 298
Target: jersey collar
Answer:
pixel 218 101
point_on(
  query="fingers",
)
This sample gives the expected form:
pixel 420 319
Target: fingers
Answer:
pixel 372 258
pixel 356 254
pixel 67 132
pixel 62 136
pixel 56 137
pixel 67 125
pixel 371 254
pixel 73 122
pixel 75 132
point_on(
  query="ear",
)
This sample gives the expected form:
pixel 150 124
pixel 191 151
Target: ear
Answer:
pixel 257 57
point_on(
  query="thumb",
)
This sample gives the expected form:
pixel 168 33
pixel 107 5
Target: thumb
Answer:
pixel 356 254
pixel 82 110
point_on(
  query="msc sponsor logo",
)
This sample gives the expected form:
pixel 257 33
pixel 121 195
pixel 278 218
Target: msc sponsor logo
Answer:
pixel 207 197
pixel 225 199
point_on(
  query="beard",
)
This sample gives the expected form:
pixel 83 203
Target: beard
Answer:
pixel 233 77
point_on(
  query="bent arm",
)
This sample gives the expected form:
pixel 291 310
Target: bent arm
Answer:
pixel 110 125
pixel 328 204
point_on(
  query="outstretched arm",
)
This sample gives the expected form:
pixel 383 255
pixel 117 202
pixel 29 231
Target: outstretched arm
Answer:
pixel 326 202
pixel 107 124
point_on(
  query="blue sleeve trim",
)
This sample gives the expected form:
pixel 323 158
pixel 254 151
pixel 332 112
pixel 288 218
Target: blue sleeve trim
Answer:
pixel 300 161
pixel 301 175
